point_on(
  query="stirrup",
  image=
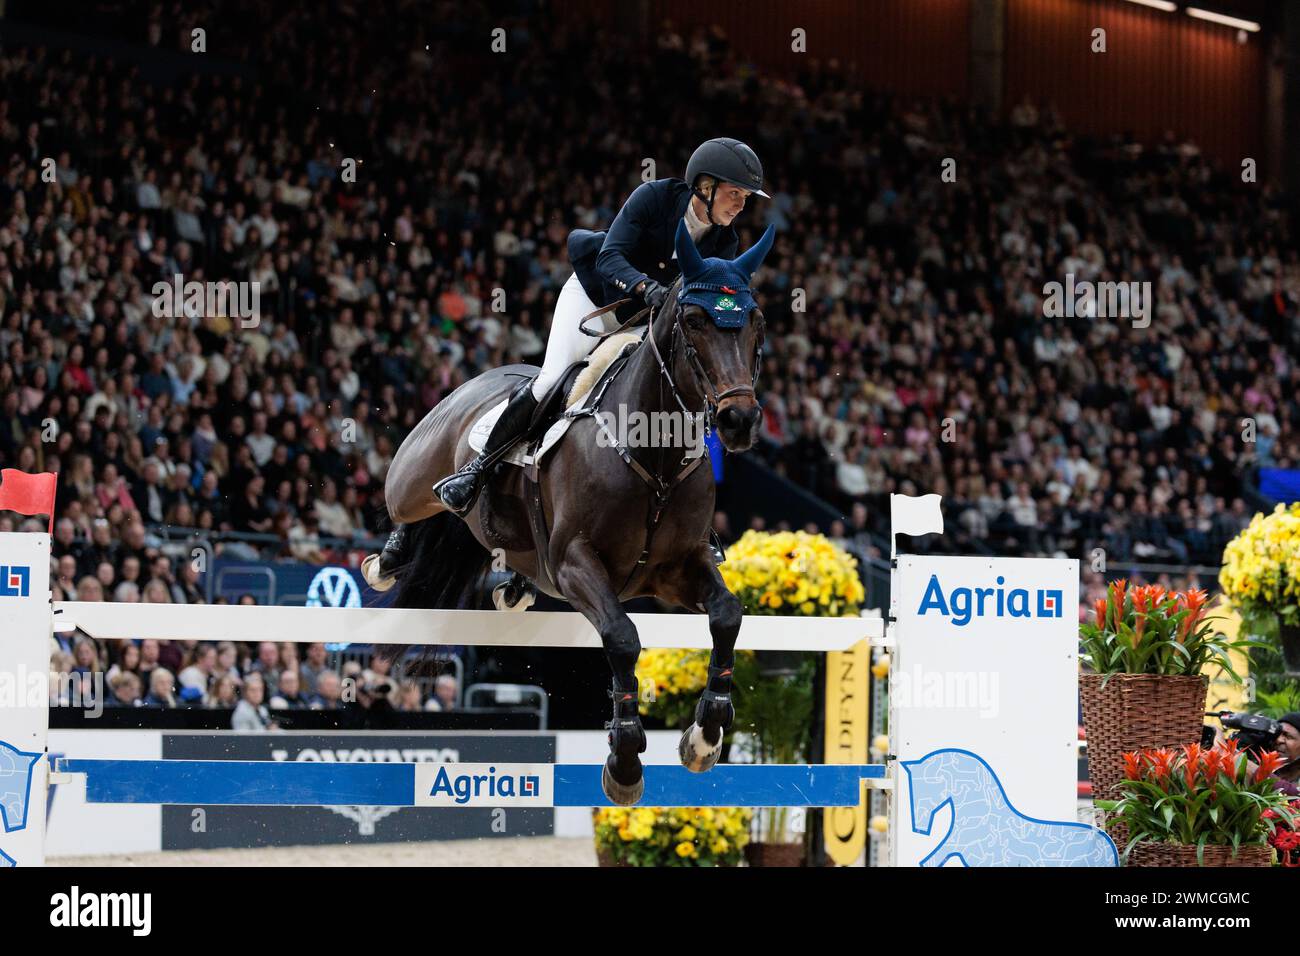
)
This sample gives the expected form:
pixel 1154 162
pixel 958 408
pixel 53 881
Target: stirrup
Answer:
pixel 474 472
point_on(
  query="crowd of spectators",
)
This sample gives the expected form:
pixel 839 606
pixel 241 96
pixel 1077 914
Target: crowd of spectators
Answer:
pixel 908 348
pixel 253 681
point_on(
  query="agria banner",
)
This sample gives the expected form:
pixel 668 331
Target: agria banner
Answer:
pixel 983 712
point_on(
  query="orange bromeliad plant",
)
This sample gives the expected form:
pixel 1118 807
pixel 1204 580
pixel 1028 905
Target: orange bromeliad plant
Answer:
pixel 1149 630
pixel 1197 797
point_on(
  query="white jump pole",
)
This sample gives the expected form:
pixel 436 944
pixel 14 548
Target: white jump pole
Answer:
pixel 305 625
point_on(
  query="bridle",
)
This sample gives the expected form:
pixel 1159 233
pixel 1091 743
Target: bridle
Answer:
pixel 712 397
pixel 703 384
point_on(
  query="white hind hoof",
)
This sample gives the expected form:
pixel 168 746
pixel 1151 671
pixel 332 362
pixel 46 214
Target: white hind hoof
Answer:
pixel 370 571
pixel 696 753
pixel 623 795
pixel 524 602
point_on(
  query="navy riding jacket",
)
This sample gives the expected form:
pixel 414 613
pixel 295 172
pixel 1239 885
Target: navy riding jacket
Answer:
pixel 639 244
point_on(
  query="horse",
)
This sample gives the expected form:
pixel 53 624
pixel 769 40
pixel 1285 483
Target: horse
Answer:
pixel 616 522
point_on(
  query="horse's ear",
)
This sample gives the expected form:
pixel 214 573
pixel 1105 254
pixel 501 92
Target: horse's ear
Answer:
pixel 688 257
pixel 749 260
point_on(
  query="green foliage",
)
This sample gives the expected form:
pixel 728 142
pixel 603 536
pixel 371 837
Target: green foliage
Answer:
pixel 775 709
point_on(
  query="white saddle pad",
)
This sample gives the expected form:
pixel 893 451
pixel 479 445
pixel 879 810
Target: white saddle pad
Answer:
pixel 478 436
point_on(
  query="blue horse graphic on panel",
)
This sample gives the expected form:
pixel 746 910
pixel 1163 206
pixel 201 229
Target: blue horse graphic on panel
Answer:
pixel 16 770
pixel 987 830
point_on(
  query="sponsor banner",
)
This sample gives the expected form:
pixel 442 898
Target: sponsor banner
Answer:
pixel 1224 692
pixel 187 828
pixel 848 732
pixel 484 785
pixel 983 700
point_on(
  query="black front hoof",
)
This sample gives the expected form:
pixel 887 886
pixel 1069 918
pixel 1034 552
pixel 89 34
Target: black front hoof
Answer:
pixel 620 794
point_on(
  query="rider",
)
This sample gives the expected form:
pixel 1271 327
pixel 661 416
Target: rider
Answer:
pixel 635 257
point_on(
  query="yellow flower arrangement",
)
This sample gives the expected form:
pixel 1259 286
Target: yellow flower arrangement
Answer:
pixel 654 836
pixel 793 572
pixel 1261 570
pixel 785 572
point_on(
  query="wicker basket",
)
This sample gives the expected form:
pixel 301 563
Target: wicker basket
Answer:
pixel 1135 711
pixel 1147 853
pixel 1131 712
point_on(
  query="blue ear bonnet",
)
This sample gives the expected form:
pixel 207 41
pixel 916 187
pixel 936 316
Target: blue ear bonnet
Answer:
pixel 719 286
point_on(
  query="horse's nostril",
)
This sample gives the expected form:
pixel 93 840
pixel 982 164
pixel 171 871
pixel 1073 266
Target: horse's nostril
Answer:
pixel 737 419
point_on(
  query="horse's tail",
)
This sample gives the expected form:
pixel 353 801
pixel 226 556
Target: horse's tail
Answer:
pixel 445 566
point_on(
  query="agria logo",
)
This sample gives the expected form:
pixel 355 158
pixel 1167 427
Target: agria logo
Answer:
pixel 962 604
pixel 464 787
pixel 15 580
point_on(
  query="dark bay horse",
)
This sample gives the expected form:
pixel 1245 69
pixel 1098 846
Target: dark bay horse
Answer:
pixel 623 521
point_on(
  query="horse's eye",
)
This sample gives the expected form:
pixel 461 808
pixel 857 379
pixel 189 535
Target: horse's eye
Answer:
pixel 695 317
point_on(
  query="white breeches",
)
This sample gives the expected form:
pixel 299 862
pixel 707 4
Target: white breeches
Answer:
pixel 566 344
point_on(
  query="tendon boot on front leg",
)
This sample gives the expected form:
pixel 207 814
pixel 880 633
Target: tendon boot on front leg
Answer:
pixel 622 779
pixel 380 571
pixel 701 743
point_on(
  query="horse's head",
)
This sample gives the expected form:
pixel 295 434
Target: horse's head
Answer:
pixel 722 329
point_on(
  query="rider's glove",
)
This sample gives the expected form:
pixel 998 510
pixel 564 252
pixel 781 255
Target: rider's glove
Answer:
pixel 654 294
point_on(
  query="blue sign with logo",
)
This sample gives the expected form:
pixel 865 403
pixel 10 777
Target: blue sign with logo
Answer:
pixel 15 580
pixel 333 587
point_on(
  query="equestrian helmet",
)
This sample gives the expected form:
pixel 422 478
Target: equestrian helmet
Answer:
pixel 728 160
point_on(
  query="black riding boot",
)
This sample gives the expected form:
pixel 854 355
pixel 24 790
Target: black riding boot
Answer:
pixel 460 491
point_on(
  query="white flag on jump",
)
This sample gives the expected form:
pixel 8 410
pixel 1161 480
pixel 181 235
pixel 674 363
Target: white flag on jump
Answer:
pixel 909 515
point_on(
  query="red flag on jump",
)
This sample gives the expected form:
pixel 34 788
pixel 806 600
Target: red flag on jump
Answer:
pixel 28 494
